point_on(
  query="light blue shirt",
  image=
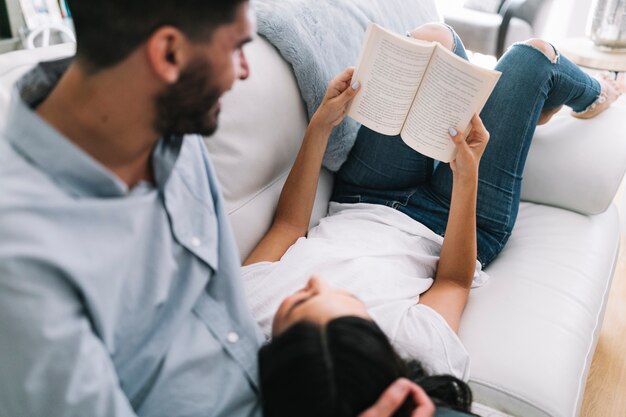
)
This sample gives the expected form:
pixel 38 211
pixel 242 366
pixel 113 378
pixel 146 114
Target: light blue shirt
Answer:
pixel 116 302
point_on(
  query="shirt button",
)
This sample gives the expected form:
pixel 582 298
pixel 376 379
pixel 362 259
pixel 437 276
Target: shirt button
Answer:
pixel 232 337
pixel 195 242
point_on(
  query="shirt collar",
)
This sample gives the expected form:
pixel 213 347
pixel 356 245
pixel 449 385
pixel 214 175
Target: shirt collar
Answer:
pixel 65 163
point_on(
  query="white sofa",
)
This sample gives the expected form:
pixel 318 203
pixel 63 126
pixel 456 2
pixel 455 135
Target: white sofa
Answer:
pixel 532 329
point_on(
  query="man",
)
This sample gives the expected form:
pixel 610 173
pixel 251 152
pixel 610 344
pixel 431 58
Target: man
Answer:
pixel 119 288
pixel 119 276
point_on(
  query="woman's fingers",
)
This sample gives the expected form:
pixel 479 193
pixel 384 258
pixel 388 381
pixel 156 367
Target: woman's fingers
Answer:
pixel 349 87
pixel 341 82
pixel 479 128
pixel 346 75
pixel 425 406
pixel 394 396
pixel 467 155
pixel 341 89
pixel 349 93
pixel 390 400
pixel 471 147
pixel 458 138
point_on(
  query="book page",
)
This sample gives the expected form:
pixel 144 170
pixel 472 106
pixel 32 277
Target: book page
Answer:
pixel 390 70
pixel 451 92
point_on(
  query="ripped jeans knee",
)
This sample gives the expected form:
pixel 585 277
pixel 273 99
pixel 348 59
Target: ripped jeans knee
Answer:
pixel 546 48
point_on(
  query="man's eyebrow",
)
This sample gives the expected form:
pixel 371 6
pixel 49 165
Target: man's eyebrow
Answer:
pixel 244 41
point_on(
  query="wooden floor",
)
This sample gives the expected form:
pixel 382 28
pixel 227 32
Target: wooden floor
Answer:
pixel 605 395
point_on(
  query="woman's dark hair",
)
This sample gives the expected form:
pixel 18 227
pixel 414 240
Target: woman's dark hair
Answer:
pixel 340 370
pixel 108 31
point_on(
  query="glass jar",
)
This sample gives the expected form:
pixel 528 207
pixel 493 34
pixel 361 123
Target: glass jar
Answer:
pixel 607 24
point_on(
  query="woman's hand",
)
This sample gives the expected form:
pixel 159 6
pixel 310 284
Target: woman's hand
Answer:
pixel 469 149
pixel 394 396
pixel 332 110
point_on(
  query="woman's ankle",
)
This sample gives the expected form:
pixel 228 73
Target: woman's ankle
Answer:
pixel 611 90
pixel 547 114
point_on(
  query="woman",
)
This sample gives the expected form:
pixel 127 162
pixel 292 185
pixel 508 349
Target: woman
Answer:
pixel 382 241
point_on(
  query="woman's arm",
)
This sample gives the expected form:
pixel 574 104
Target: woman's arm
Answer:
pixel 457 261
pixel 291 220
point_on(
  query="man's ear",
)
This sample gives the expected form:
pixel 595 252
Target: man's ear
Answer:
pixel 167 52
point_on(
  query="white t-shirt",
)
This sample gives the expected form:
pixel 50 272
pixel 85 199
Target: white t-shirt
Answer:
pixel 383 257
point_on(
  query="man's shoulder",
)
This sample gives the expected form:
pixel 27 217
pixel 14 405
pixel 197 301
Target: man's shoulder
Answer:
pixel 21 182
pixel 34 210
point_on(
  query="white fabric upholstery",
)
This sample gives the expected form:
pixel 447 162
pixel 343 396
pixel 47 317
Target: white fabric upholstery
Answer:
pixel 252 159
pixel 531 331
pixel 577 164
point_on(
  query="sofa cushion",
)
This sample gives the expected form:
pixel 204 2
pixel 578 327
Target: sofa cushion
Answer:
pixel 531 330
pixel 260 129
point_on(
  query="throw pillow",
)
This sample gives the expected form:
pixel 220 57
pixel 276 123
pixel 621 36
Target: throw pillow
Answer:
pixel 320 38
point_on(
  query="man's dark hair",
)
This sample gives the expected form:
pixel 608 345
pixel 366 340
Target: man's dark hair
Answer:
pixel 340 370
pixel 108 31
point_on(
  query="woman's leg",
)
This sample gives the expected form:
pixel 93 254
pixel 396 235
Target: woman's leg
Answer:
pixel 535 79
pixel 383 164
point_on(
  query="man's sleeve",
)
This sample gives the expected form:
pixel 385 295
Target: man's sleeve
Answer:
pixel 51 362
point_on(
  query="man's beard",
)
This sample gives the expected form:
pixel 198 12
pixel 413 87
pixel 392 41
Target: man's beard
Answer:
pixel 191 104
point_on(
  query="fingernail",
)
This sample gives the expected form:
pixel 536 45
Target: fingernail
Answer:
pixel 356 85
pixel 400 387
pixel 452 131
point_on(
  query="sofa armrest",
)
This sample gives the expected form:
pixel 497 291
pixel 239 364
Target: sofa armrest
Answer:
pixel 578 164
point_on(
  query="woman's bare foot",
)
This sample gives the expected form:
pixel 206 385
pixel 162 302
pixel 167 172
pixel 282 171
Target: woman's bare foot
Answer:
pixel 611 91
pixel 547 114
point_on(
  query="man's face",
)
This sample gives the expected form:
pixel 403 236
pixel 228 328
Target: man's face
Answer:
pixel 192 104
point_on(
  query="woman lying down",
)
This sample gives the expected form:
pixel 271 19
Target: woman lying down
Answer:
pixel 375 281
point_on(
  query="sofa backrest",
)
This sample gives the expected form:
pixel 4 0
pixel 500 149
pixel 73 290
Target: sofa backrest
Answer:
pixel 573 164
pixel 261 127
pixel 14 64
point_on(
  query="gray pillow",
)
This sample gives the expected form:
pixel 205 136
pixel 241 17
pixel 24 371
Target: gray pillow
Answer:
pixel 320 38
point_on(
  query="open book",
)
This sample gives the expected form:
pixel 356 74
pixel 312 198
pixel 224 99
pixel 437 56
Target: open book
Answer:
pixel 418 90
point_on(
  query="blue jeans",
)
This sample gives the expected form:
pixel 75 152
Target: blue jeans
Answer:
pixel 382 169
pixel 445 412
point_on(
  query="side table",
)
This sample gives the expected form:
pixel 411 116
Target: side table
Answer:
pixel 583 52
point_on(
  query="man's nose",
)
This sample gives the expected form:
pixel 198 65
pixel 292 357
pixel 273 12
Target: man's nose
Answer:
pixel 244 70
